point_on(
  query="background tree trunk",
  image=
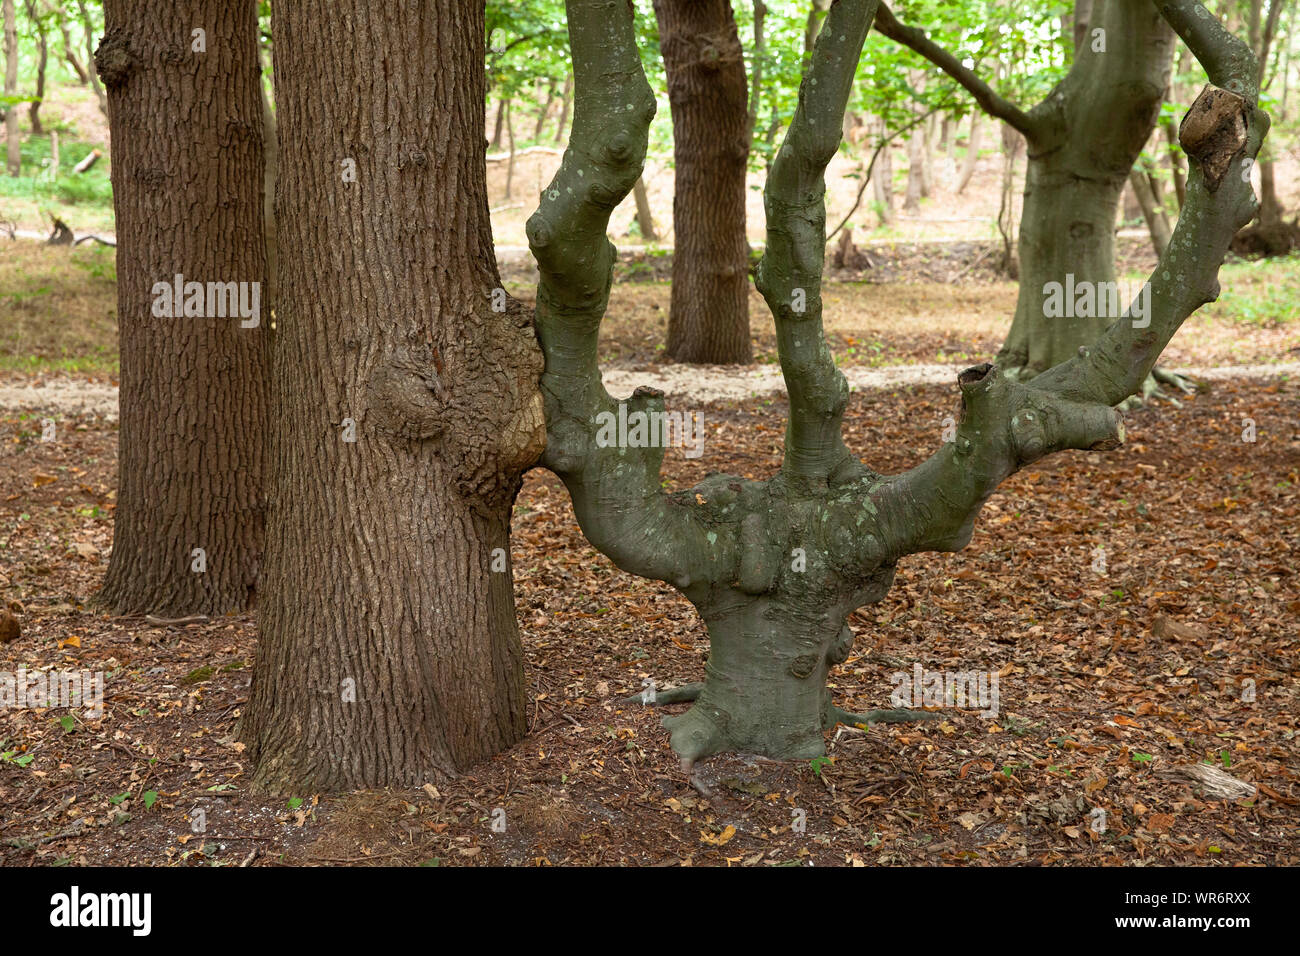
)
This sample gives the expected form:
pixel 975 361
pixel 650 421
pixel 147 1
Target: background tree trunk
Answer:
pixel 1075 177
pixel 42 58
pixel 882 180
pixel 545 111
pixel 565 95
pixel 70 51
pixel 1157 224
pixel 1176 166
pixel 271 166
pixel 187 196
pixel 972 151
pixel 13 160
pixel 708 91
pixel 499 129
pixel 88 25
pixel 817 10
pixel 644 219
pixel 389 652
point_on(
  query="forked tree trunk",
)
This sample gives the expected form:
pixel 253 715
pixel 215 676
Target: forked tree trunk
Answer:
pixel 187 198
pixel 776 566
pixel 708 91
pixel 70 52
pixel 406 407
pixel 1082 143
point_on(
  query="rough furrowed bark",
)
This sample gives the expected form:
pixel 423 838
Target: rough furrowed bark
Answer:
pixel 405 389
pixel 187 184
pixel 708 318
pixel 775 567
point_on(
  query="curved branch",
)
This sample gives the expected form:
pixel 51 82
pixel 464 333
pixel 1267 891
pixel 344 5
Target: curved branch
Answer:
pixel 790 273
pixel 1228 60
pixel 915 39
pixel 1222 134
pixel 1006 425
pixel 616 490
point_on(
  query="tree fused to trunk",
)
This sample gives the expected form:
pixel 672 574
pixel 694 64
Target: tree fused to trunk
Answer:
pixel 405 384
pixel 708 90
pixel 1083 139
pixel 186 117
pixel 775 567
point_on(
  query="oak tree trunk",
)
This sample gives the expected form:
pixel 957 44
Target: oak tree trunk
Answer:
pixel 187 197
pixel 708 92
pixel 407 407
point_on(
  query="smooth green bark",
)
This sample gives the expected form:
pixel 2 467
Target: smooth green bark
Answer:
pixel 775 567
pixel 1083 139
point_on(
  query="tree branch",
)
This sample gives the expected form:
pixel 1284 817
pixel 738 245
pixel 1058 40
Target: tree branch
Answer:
pixel 1006 425
pixel 615 489
pixel 915 39
pixel 790 273
pixel 1221 134
pixel 1228 61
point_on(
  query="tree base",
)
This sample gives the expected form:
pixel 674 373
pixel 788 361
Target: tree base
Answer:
pixel 1267 241
pixel 696 735
pixel 1151 389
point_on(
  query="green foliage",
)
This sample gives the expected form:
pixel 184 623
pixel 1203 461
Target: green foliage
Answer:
pixel 1262 292
pixel 89 189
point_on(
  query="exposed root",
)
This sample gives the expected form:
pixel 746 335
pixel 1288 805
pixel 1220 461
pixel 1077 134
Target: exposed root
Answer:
pixel 1186 385
pixel 1151 390
pixel 899 716
pixel 673 695
pixel 694 736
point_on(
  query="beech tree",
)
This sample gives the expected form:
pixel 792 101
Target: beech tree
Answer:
pixel 1083 140
pixel 405 388
pixel 775 567
pixel 185 113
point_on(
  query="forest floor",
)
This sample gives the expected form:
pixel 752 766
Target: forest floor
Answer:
pixel 1118 677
